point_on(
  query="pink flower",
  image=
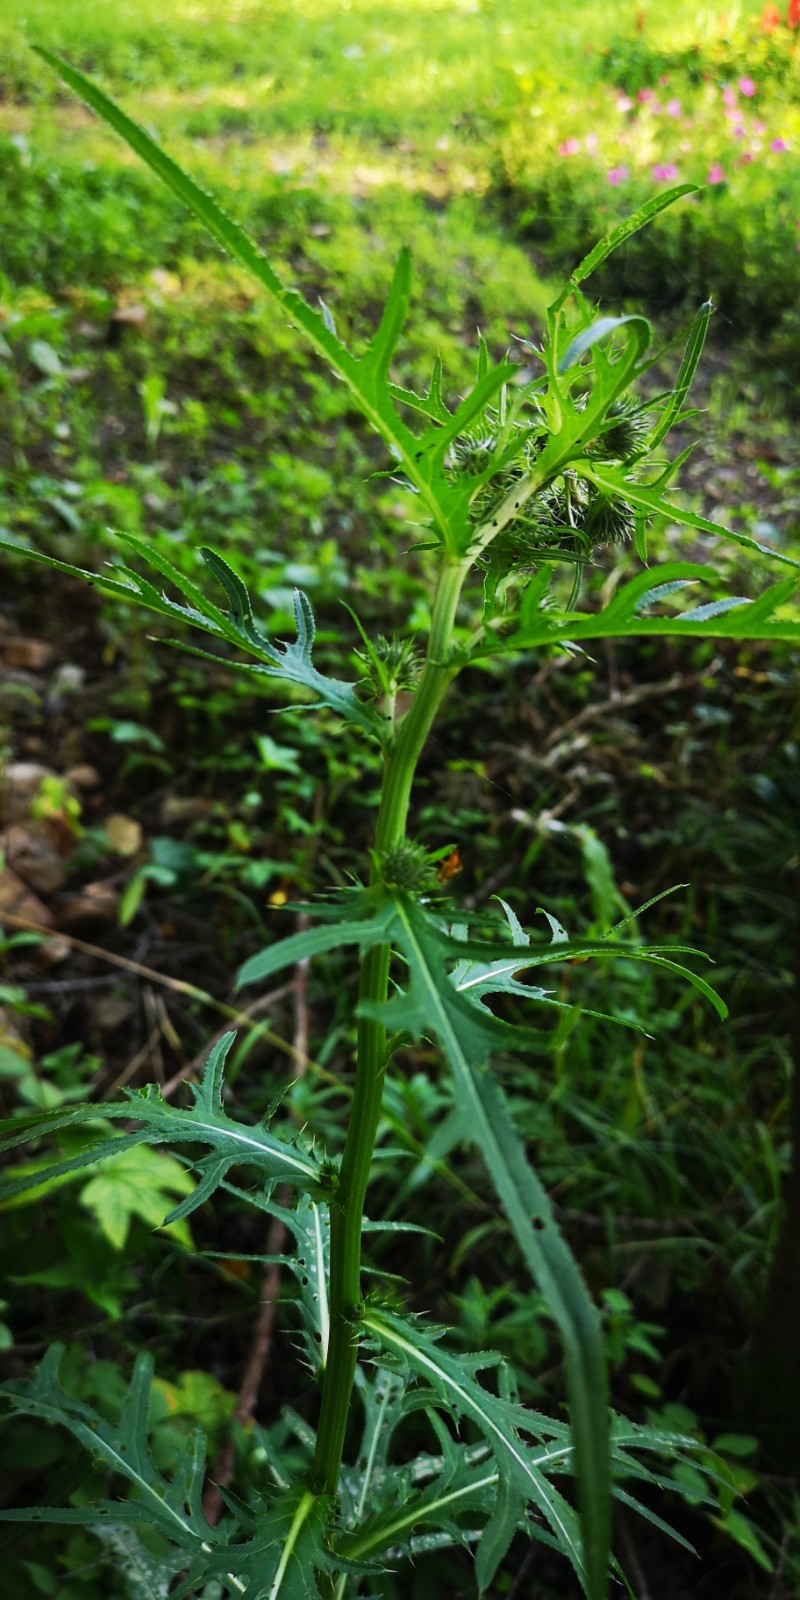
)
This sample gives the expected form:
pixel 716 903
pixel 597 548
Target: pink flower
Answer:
pixel 673 108
pixel 570 147
pixel 747 88
pixel 715 174
pixel 665 172
pixel 778 144
pixel 617 175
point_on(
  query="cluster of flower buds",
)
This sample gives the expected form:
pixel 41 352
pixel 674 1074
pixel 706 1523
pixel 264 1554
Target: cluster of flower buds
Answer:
pixel 571 515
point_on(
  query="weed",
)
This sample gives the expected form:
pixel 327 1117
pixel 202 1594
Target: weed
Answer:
pixel 517 487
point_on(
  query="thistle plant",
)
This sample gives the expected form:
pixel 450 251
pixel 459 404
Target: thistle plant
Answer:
pixel 520 486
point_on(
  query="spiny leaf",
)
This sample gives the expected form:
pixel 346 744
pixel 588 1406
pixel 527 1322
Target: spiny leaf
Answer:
pixel 497 1419
pixel 617 236
pixel 731 618
pixel 231 1143
pixel 361 923
pixel 688 367
pixel 615 481
pixel 309 1221
pixel 438 1506
pixel 601 329
pixel 281 1560
pixel 367 379
pixel 291 662
pixel 173 1507
pixel 382 346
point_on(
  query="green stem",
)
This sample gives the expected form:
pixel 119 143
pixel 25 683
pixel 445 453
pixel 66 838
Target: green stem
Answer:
pixel 347 1206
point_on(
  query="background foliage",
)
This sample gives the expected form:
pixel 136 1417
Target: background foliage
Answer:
pixel 145 385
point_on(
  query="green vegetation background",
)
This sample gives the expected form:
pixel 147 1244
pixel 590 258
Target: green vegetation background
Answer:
pixel 146 386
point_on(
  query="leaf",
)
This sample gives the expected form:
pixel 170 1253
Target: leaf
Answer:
pixel 601 329
pixel 623 619
pixel 615 481
pixel 280 1561
pixel 363 922
pixel 487 1123
pixel 618 235
pixel 455 1494
pixel 453 1380
pixel 309 1221
pixel 137 1183
pixel 174 1506
pixel 231 1143
pixel 146 1577
pixel 367 379
pixel 381 347
pixel 45 358
pixel 496 1538
pixel 474 979
pixel 688 366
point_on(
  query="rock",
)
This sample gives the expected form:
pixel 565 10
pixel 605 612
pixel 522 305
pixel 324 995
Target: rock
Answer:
pixel 110 1012
pixel 33 655
pixel 17 900
pixel 82 776
pixel 95 902
pixel 124 834
pixel 177 809
pixel 32 855
pixel 67 678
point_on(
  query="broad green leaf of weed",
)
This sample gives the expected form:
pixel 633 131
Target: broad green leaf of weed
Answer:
pixel 138 1183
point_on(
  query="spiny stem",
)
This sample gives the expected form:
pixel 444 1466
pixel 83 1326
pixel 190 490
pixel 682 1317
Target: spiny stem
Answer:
pixel 347 1206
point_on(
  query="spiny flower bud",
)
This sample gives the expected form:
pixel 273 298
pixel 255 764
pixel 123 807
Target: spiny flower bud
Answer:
pixel 472 453
pixel 407 867
pixel 392 665
pixel 626 436
pixel 611 520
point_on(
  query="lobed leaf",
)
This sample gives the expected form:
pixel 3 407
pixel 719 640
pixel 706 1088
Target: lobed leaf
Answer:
pixel 647 497
pixel 453 1380
pixel 231 1143
pixel 732 617
pixel 174 1506
pixel 618 235
pixel 367 379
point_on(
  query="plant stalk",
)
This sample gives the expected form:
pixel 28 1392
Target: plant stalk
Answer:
pixel 347 1205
